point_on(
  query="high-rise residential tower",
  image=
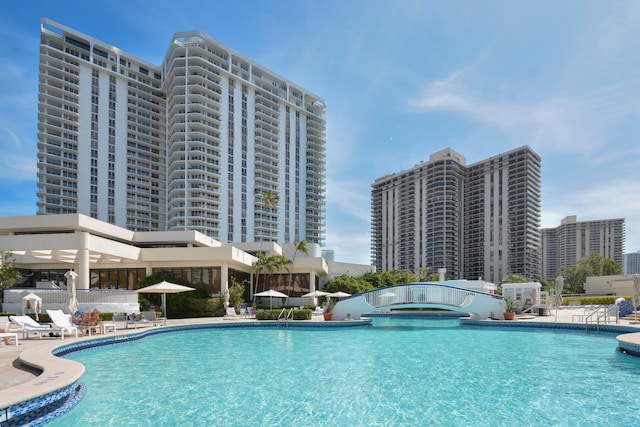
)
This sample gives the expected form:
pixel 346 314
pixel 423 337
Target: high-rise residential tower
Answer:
pixel 573 240
pixel 631 263
pixel 478 220
pixel 208 140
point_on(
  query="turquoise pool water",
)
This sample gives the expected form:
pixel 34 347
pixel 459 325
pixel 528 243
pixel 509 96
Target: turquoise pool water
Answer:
pixel 398 372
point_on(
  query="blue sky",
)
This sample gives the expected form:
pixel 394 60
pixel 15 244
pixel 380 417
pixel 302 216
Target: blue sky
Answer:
pixel 402 79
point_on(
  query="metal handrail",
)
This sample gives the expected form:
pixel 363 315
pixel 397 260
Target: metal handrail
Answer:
pixel 600 313
pixel 286 315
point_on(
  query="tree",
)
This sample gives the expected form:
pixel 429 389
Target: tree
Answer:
pixel 423 274
pixel 9 274
pixel 299 246
pixel 282 263
pixel 264 264
pixel 595 264
pixel 236 294
pixel 348 284
pixel 514 278
pixel 269 202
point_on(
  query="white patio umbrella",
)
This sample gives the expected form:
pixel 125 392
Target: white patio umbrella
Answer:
pixel 557 299
pixel 636 294
pixel 164 288
pixel 271 294
pixel 32 302
pixel 71 291
pixel 315 294
pixel 338 295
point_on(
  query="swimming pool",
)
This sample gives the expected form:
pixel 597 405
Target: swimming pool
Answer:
pixel 398 372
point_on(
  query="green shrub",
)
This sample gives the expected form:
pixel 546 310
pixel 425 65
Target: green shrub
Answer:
pixel 267 314
pixel 595 300
pixel 304 314
pixel 205 307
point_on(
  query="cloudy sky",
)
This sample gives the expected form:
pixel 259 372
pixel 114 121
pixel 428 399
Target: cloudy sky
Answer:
pixel 402 79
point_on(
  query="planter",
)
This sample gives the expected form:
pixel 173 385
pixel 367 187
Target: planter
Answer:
pixel 327 316
pixel 510 315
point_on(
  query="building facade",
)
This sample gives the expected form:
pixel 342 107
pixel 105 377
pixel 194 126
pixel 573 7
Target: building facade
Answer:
pixel 478 220
pixel 632 263
pixel 199 142
pixel 108 257
pixel 573 240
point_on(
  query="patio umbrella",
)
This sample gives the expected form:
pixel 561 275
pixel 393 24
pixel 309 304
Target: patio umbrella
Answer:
pixel 164 288
pixel 315 294
pixel 72 305
pixel 636 294
pixel 339 295
pixel 32 302
pixel 271 293
pixel 557 299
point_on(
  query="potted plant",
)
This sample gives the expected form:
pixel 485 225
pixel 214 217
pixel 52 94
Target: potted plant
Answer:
pixel 327 310
pixel 510 308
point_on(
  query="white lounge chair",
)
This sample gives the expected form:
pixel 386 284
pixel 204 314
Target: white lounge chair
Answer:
pixel 151 317
pixel 29 326
pixel 131 320
pixel 63 322
pixel 13 335
pixel 318 311
pixel 231 314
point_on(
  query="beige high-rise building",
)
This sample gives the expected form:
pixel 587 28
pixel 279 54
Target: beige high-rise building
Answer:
pixel 573 240
pixel 478 220
pixel 193 143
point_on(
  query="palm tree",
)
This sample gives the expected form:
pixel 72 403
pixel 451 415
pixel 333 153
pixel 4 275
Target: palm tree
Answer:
pixel 258 266
pixel 282 263
pixel 265 264
pixel 270 200
pixel 299 246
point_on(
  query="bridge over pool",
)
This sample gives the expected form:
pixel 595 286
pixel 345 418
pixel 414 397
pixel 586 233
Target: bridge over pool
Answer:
pixel 478 304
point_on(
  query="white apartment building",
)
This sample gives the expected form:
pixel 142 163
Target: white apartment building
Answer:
pixel 194 143
pixel 478 220
pixel 573 240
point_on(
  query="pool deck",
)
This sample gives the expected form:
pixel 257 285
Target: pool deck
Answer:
pixel 20 382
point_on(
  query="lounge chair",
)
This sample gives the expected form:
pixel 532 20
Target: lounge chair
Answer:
pixel 120 317
pixel 64 323
pixel 151 317
pixel 13 335
pixel 250 313
pixel 131 320
pixel 231 314
pixel 29 326
pixel 318 311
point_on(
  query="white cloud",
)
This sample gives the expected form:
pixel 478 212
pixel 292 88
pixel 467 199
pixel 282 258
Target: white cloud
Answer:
pixel 560 124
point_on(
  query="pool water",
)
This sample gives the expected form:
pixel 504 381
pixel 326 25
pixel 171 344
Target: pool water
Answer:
pixel 398 372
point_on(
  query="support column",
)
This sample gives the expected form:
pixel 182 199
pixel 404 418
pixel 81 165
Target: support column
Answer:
pixel 84 280
pixel 224 279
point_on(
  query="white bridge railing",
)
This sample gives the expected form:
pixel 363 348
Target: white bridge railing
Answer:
pixel 419 294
